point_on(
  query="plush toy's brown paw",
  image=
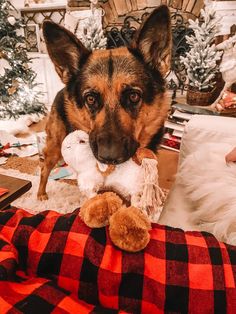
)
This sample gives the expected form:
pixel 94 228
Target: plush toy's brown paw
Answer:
pixel 96 211
pixel 129 229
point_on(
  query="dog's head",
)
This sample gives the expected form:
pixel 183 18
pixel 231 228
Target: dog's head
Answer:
pixel 116 95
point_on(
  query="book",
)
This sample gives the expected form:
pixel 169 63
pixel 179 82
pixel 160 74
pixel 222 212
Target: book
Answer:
pixel 175 124
pixel 174 128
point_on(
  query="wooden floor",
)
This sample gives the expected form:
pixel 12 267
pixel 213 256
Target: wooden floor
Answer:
pixel 168 162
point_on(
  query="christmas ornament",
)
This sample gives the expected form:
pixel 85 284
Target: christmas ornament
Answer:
pixel 12 90
pixel 15 83
pixel 2 54
pixel 11 20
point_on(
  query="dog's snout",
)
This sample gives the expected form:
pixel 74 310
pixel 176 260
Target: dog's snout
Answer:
pixel 111 149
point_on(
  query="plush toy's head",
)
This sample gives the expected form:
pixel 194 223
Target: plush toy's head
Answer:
pixel 76 150
pixel 75 139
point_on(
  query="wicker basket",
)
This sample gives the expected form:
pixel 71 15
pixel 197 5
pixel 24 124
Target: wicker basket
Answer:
pixel 197 98
pixel 219 85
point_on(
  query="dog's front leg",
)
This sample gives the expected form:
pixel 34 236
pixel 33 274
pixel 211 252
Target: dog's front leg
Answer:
pixel 52 154
pixel 52 151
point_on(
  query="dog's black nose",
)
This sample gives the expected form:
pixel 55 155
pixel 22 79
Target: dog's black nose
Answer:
pixel 112 147
pixel 111 150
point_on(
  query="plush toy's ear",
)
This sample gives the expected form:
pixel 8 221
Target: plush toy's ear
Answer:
pixel 154 39
pixel 65 50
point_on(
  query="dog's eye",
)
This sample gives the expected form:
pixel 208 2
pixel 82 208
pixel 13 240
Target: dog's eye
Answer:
pixel 93 101
pixel 90 99
pixel 131 99
pixel 134 97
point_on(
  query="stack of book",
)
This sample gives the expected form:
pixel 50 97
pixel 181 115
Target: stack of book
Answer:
pixel 174 128
pixel 179 116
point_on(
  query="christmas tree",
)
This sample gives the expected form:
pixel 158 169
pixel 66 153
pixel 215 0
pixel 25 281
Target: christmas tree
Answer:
pixel 201 60
pixel 17 80
pixel 93 35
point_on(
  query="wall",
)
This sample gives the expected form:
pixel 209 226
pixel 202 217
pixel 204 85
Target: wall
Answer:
pixel 227 11
pixel 20 3
pixel 47 77
pixel 116 10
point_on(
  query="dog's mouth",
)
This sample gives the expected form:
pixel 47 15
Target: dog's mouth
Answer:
pixel 110 161
pixel 112 150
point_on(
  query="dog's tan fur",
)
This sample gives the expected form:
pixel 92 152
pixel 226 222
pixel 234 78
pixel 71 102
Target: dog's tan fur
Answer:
pixel 108 72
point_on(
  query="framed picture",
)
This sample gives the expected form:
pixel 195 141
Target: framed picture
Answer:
pixel 32 36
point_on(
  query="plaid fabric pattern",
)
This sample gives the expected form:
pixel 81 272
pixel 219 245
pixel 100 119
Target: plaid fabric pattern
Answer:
pixel 53 263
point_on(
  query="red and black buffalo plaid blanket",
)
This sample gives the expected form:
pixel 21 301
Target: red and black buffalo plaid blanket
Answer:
pixel 53 263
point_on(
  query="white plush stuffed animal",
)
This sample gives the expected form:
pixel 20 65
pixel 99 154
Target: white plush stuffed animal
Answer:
pixel 137 183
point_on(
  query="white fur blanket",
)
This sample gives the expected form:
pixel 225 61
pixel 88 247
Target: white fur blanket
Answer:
pixel 20 125
pixel 210 186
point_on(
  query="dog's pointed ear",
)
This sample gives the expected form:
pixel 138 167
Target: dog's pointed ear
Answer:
pixel 64 49
pixel 154 40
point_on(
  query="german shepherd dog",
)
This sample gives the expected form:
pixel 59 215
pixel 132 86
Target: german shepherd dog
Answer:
pixel 116 95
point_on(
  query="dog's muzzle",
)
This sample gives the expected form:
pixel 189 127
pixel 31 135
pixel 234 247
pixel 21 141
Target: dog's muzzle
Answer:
pixel 110 149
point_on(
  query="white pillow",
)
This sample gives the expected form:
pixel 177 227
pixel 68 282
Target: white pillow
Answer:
pixel 207 129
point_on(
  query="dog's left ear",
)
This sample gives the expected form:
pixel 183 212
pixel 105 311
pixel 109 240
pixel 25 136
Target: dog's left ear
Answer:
pixel 64 49
pixel 154 40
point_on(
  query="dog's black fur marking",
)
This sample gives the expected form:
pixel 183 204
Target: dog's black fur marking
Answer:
pixel 155 82
pixel 110 67
pixel 130 108
pixel 83 59
pixel 60 108
pixel 74 85
pixel 156 140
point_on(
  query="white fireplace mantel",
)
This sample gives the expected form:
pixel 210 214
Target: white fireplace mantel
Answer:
pixel 47 77
pixel 20 4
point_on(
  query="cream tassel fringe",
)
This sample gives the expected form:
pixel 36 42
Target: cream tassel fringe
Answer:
pixel 152 197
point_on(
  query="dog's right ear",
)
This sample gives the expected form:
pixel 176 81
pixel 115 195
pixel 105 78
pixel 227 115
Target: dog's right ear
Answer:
pixel 64 49
pixel 153 39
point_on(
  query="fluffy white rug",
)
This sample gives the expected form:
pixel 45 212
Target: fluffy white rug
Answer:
pixel 21 124
pixel 63 198
pixel 210 186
